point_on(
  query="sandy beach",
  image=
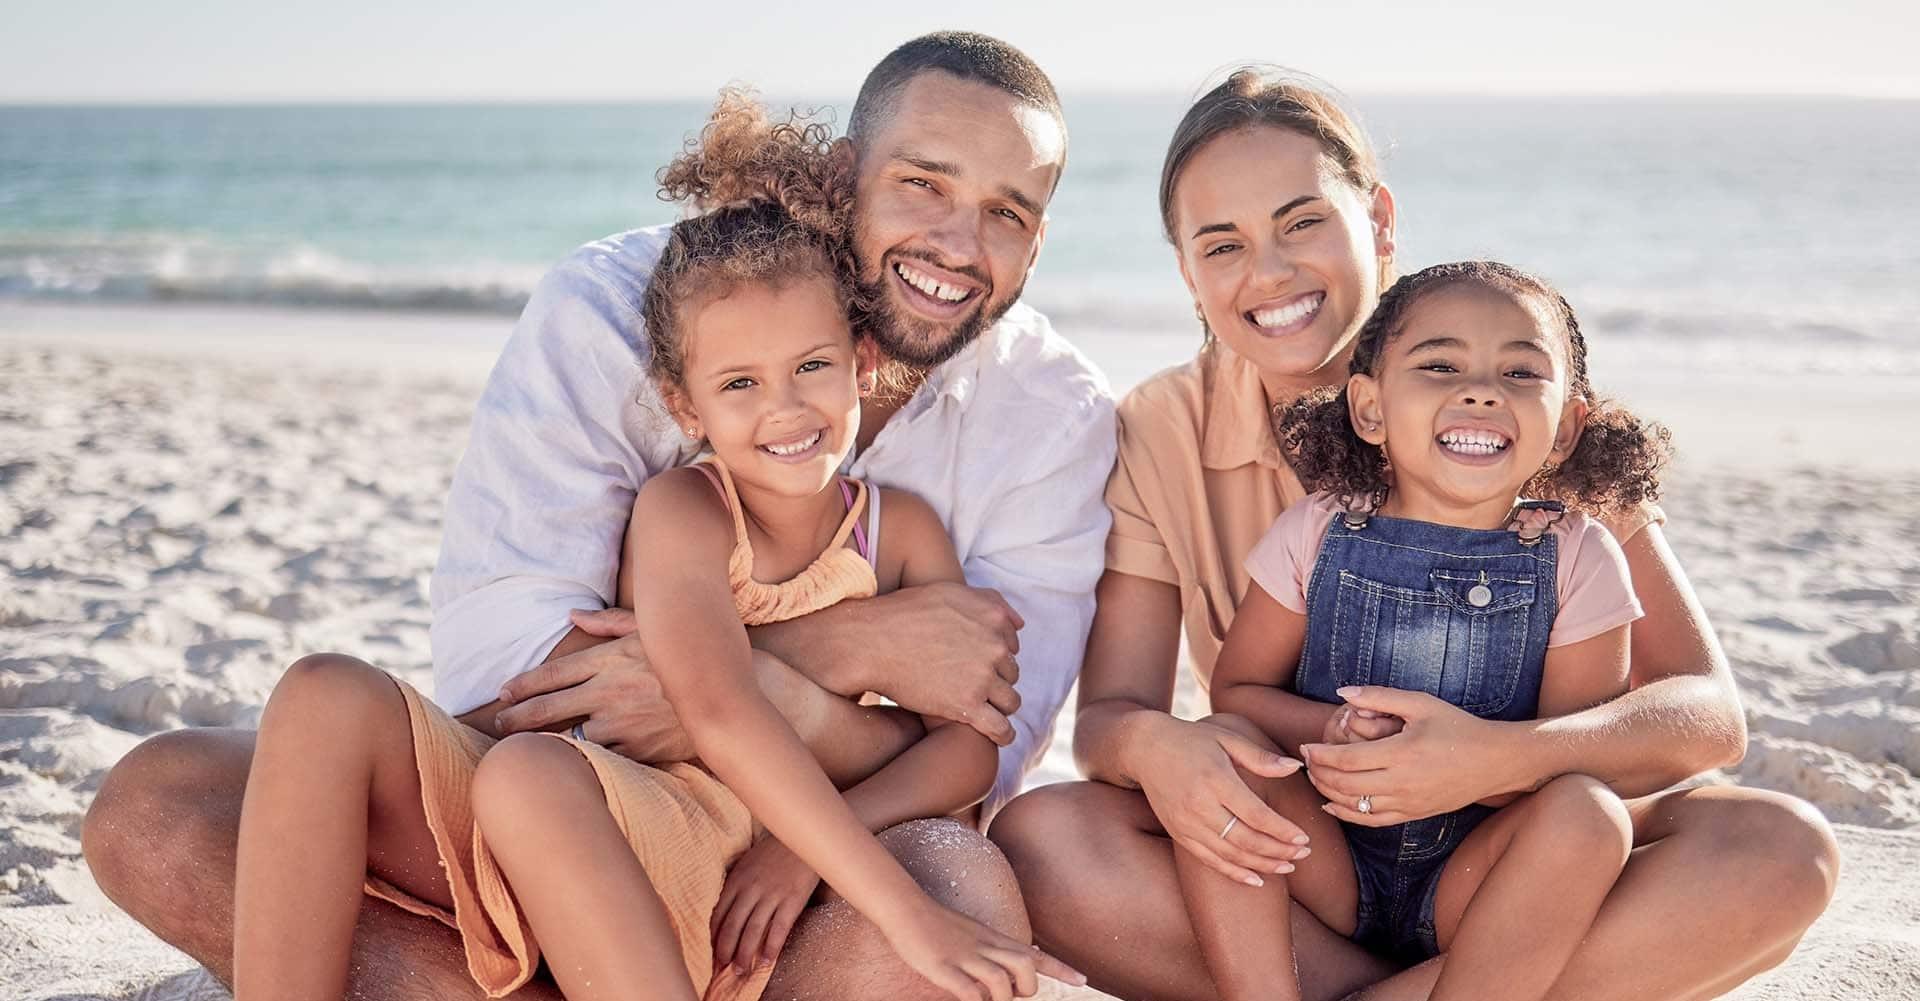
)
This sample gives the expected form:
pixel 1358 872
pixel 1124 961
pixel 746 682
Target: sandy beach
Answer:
pixel 191 498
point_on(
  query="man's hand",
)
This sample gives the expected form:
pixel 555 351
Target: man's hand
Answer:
pixel 610 687
pixel 944 650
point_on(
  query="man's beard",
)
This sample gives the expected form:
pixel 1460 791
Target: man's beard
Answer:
pixel 913 340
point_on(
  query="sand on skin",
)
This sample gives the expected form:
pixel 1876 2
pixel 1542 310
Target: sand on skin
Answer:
pixel 189 499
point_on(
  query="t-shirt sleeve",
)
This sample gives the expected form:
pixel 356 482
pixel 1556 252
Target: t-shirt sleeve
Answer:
pixel 1596 590
pixel 1282 559
pixel 1627 524
pixel 1134 543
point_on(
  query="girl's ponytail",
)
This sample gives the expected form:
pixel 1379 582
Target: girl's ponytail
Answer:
pixel 1316 434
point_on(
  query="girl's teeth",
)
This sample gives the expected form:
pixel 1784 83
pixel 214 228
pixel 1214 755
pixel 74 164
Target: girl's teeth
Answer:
pixel 1473 442
pixel 939 290
pixel 1285 315
pixel 796 448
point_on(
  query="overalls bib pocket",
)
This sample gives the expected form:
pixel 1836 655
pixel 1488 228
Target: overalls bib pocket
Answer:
pixel 1487 618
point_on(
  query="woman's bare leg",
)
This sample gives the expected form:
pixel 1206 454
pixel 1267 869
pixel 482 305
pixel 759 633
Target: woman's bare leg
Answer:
pixel 333 791
pixel 603 930
pixel 1098 874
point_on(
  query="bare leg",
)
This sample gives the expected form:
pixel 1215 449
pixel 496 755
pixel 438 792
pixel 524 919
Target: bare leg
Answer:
pixel 1721 885
pixel 161 840
pixel 333 791
pixel 1246 932
pixel 603 930
pixel 1535 872
pixel 1098 874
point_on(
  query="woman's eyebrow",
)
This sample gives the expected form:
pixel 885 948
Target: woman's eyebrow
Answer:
pixel 1227 227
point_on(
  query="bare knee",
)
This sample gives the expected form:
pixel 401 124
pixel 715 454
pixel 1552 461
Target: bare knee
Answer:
pixel 962 870
pixel 1777 842
pixel 331 691
pixel 162 810
pixel 519 782
pixel 1589 822
pixel 1037 822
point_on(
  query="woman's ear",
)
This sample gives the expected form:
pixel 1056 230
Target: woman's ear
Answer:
pixel 1363 409
pixel 1573 421
pixel 1384 218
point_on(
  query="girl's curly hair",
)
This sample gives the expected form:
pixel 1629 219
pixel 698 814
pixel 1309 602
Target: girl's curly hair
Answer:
pixel 1615 465
pixel 774 205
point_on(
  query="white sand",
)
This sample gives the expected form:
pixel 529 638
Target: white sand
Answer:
pixel 189 499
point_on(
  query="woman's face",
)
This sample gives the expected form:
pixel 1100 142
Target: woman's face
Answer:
pixel 771 380
pixel 1280 252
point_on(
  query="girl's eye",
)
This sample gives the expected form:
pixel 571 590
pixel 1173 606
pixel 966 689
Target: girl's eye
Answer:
pixel 741 383
pixel 812 365
pixel 1438 366
pixel 1523 373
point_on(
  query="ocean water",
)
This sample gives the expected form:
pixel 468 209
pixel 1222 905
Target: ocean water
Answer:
pixel 1778 234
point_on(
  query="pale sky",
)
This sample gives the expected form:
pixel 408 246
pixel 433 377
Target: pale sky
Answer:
pixel 387 50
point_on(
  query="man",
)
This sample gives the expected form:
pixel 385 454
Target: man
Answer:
pixel 1008 433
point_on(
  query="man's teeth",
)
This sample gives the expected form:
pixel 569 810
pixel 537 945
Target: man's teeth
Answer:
pixel 1284 315
pixel 795 448
pixel 925 283
pixel 1474 442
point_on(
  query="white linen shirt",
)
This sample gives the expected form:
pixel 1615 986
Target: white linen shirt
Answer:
pixel 1010 442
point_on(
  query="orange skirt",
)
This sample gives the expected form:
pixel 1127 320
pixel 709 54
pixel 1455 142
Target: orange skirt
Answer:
pixel 685 827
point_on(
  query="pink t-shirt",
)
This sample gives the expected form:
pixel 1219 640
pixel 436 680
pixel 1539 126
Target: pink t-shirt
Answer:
pixel 1595 589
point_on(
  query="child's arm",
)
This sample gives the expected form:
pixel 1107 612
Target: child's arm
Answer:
pixel 1255 670
pixel 693 637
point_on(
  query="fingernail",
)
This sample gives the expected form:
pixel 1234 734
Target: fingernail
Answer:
pixel 497 724
pixel 1284 868
pixel 1348 691
pixel 1327 807
pixel 1306 753
pixel 1301 839
pixel 1254 881
pixel 1302 853
pixel 505 694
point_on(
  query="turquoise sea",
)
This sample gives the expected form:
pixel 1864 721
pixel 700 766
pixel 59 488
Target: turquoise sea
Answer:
pixel 1777 233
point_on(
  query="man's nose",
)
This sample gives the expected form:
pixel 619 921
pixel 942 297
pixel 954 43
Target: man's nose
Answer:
pixel 956 238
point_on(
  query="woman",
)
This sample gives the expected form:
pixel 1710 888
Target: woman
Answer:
pixel 1284 234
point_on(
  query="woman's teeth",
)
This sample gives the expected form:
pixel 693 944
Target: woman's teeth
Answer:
pixel 1286 316
pixel 926 283
pixel 1474 442
pixel 794 448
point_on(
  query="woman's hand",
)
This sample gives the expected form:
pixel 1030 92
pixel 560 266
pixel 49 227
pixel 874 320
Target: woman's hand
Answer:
pixel 1442 759
pixel 764 894
pixel 1191 782
pixel 970 960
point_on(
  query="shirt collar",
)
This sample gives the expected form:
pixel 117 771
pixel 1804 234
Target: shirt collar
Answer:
pixel 1239 428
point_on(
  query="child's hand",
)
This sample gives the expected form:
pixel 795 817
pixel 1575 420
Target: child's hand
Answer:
pixel 764 894
pixel 970 960
pixel 1352 724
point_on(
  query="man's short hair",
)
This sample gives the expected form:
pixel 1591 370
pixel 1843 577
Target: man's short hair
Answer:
pixel 965 54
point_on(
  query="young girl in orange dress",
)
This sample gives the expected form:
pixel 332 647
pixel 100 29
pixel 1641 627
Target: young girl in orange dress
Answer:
pixel 546 846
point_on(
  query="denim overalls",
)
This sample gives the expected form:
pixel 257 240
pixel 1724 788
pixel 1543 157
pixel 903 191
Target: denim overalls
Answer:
pixel 1461 614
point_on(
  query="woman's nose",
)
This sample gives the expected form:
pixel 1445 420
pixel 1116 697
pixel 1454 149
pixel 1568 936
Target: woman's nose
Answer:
pixel 1273 264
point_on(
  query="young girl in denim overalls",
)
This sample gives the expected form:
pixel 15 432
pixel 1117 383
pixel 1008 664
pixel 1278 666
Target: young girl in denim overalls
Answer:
pixel 1418 566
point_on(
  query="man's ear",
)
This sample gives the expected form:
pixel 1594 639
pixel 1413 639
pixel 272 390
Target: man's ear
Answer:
pixel 1573 421
pixel 1363 409
pixel 866 365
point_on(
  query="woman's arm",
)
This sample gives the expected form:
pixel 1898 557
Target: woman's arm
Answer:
pixel 1254 673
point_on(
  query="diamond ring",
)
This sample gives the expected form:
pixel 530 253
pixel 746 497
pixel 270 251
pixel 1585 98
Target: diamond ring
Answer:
pixel 579 733
pixel 1365 805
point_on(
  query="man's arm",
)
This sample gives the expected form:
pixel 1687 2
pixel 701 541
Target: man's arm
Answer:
pixel 561 440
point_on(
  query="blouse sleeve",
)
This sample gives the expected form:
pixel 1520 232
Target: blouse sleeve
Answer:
pixel 1134 543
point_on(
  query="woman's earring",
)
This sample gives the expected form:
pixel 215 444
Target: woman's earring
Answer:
pixel 692 432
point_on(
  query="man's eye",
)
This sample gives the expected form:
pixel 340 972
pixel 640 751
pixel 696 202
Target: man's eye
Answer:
pixel 919 182
pixel 741 383
pixel 1012 216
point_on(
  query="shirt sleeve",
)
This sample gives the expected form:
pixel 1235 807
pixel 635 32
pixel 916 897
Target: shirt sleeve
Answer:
pixel 1596 590
pixel 1627 524
pixel 1283 557
pixel 542 496
pixel 1134 546
pixel 1045 562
